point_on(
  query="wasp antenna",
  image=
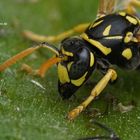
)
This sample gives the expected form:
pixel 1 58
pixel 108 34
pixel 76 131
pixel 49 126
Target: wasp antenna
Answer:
pixel 45 66
pixel 50 47
pixel 27 52
pixel 18 57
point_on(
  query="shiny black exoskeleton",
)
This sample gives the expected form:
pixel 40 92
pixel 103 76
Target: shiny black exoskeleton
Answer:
pixel 110 40
pixel 121 24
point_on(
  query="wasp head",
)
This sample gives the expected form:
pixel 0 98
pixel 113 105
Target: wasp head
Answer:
pixel 74 71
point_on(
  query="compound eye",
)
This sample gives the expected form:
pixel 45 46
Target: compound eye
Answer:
pixel 67 53
pixel 80 65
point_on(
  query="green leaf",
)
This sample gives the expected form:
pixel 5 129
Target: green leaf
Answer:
pixel 28 111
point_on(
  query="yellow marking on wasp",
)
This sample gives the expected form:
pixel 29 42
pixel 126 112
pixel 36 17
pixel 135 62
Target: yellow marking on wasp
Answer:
pixel 134 39
pixel 63 74
pixel 97 44
pixel 95 24
pixel 132 20
pixel 129 37
pixel 69 65
pixel 91 59
pixel 66 52
pixel 122 14
pixel 138 19
pixel 79 81
pixel 114 37
pixel 127 53
pixel 107 30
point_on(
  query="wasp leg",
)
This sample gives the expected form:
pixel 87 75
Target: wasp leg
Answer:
pixel 41 38
pixel 105 7
pixel 101 8
pixel 28 51
pixel 110 75
pixel 112 135
pixel 110 6
pixel 130 7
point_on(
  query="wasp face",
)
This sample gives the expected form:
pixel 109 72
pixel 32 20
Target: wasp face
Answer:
pixel 76 69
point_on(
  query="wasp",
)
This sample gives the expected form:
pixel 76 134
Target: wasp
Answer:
pixel 112 39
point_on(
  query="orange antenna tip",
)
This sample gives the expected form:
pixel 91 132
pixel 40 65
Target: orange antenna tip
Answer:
pixel 48 64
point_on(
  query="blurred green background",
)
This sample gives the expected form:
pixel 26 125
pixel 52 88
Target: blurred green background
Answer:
pixel 28 112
